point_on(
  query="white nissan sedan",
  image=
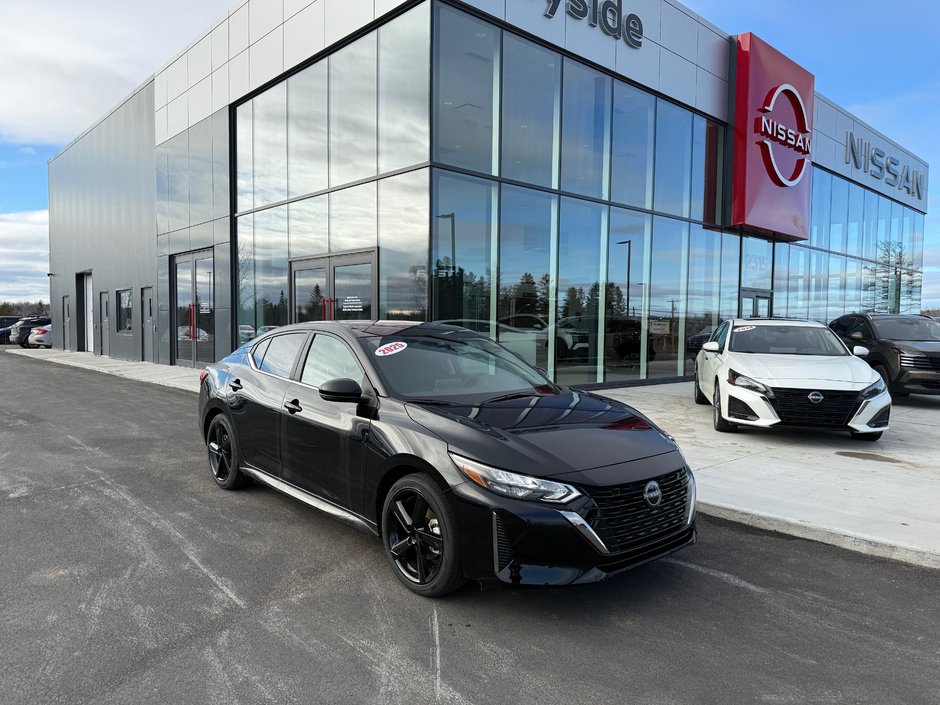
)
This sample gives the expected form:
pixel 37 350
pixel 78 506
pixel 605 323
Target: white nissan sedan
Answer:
pixel 773 372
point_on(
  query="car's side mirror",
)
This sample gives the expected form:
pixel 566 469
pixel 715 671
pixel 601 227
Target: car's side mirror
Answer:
pixel 860 351
pixel 711 346
pixel 341 390
pixel 856 336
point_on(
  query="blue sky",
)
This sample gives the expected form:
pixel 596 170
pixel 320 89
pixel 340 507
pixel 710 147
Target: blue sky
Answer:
pixel 66 64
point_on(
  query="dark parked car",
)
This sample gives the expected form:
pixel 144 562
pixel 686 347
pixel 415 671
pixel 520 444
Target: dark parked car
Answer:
pixel 6 322
pixel 466 461
pixel 20 331
pixel 903 348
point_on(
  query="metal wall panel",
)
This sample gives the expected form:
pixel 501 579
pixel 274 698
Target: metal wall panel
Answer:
pixel 102 215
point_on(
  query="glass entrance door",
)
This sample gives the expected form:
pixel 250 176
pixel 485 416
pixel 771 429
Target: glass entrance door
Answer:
pixel 194 308
pixel 756 303
pixel 339 288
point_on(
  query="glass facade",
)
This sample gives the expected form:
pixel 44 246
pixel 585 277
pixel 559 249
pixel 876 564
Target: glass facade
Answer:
pixel 865 253
pixel 568 214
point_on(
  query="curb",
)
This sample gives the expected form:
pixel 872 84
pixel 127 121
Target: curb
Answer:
pixel 848 540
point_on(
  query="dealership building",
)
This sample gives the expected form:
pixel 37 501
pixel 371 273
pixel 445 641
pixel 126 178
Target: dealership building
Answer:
pixel 593 183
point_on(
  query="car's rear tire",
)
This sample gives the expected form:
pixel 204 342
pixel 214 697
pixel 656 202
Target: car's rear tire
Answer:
pixel 419 529
pixel 697 391
pixel 721 425
pixel 224 458
pixel 867 436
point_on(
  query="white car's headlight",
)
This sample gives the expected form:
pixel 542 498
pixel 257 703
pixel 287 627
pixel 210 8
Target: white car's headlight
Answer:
pixel 510 484
pixel 872 391
pixel 745 382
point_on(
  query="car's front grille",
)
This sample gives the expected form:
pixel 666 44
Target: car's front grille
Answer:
pixel 796 408
pixel 624 519
pixel 919 362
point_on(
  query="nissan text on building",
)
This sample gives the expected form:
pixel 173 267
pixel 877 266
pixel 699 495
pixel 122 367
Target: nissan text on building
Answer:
pixel 594 184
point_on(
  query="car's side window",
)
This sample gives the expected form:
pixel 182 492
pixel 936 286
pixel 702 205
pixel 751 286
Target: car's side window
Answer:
pixel 330 358
pixel 859 325
pixel 841 326
pixel 257 352
pixel 282 354
pixel 721 335
pixel 867 333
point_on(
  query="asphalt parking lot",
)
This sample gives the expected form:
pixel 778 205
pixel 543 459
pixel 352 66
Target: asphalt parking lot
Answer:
pixel 129 578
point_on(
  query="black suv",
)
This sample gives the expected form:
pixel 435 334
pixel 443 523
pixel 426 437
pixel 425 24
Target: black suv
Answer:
pixel 20 331
pixel 904 348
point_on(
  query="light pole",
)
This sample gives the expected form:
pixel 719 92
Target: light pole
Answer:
pixel 629 244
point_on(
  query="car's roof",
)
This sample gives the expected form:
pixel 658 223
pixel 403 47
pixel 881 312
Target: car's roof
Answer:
pixel 364 329
pixel 892 315
pixel 799 322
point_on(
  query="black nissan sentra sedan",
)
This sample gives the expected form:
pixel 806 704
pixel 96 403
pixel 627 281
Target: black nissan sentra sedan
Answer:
pixel 466 461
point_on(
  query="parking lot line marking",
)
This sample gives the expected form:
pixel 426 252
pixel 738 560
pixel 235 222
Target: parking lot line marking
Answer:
pixel 436 656
pixel 725 577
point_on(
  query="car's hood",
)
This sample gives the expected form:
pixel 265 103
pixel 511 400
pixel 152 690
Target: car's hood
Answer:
pixel 921 346
pixel 799 370
pixel 546 435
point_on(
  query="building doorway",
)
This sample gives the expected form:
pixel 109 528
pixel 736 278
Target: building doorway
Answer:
pixel 147 327
pixel 337 288
pixel 193 308
pixel 757 303
pixel 86 320
pixel 66 323
pixel 104 324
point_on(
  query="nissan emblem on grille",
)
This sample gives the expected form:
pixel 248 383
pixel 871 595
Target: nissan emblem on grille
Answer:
pixel 653 494
pixel 816 397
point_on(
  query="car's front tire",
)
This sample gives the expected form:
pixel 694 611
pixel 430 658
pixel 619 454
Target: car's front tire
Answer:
pixel 721 425
pixel 697 391
pixel 223 455
pixel 419 535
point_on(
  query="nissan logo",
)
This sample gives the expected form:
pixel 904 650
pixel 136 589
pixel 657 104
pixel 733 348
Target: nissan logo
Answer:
pixel 652 494
pixel 798 140
pixel 816 397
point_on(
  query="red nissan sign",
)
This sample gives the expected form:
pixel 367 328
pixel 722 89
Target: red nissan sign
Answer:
pixel 773 132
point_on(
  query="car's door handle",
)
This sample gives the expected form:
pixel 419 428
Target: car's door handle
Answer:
pixel 293 407
pixel 236 385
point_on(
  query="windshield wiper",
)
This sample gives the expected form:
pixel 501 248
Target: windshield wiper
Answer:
pixel 432 402
pixel 513 395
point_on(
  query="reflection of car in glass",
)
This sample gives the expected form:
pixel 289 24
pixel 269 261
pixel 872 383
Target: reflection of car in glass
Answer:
pixel 187 333
pixel 572 339
pixel 465 461
pixel 266 329
pixel 245 333
pixel 695 342
pixel 768 372
pixel 525 343
pixel 905 348
pixel 621 335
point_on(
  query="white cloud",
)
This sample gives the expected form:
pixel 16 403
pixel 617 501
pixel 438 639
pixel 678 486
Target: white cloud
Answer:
pixel 24 256
pixel 65 64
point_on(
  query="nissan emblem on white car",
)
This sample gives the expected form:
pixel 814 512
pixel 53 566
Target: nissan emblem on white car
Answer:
pixel 816 397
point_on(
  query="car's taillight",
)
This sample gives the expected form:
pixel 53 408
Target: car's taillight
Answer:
pixel 203 375
pixel 41 331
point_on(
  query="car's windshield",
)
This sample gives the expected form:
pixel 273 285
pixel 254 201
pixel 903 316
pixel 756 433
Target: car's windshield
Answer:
pixel 785 340
pixel 440 367
pixel 907 328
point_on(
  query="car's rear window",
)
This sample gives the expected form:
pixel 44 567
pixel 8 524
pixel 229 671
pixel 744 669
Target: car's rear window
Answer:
pixel 785 340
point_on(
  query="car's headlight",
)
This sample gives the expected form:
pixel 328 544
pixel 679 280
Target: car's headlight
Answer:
pixel 874 390
pixel 510 484
pixel 745 382
pixel 693 498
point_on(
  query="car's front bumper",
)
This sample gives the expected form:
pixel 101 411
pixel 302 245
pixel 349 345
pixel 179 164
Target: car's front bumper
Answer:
pixel 534 543
pixel 748 408
pixel 913 381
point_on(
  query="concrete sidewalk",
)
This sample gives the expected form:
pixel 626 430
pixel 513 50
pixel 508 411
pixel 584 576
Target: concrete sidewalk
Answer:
pixel 878 498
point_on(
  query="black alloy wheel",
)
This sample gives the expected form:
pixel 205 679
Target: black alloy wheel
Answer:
pixel 223 455
pixel 418 529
